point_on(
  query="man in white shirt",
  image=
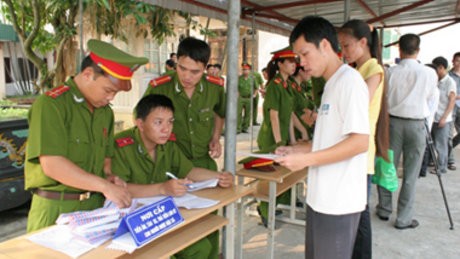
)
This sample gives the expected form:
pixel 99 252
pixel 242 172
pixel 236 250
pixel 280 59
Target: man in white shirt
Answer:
pixel 337 159
pixel 454 73
pixel 411 87
pixel 443 117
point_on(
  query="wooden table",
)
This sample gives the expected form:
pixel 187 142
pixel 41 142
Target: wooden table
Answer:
pixel 166 245
pixel 277 182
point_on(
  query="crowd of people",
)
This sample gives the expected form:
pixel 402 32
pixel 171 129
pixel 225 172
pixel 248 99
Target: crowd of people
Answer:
pixel 319 112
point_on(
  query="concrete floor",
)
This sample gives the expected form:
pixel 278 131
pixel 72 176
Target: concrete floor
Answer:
pixel 432 239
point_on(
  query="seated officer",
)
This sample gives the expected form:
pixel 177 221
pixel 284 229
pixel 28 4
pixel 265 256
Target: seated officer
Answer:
pixel 71 135
pixel 143 155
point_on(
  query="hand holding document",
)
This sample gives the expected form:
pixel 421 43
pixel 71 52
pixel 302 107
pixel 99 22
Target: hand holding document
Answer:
pixel 191 187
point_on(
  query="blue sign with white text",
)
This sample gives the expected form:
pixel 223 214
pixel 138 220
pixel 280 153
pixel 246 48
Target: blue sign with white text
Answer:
pixel 151 221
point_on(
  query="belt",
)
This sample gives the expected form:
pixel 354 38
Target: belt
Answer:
pixel 409 119
pixel 62 195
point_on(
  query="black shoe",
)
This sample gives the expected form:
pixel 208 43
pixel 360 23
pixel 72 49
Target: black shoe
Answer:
pixel 414 224
pixel 298 203
pixel 383 217
pixel 451 167
pixel 422 174
pixel 262 218
pixel 256 124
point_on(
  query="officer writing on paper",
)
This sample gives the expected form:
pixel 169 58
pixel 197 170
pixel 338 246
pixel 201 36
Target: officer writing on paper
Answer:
pixel 146 153
pixel 71 135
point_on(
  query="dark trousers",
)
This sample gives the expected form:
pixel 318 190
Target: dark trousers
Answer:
pixel 330 236
pixel 363 242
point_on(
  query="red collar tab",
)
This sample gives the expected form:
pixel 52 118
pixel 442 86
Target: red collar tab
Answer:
pixel 215 80
pixel 122 142
pixel 172 137
pixel 56 92
pixel 160 80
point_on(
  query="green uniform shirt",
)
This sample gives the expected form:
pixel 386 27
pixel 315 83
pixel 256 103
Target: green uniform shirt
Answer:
pixel 193 118
pixel 300 100
pixel 61 124
pixel 133 163
pixel 258 79
pixel 244 86
pixel 279 96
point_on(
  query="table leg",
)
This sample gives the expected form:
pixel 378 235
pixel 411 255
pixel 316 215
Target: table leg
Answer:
pixel 293 206
pixel 239 224
pixel 271 219
pixel 229 230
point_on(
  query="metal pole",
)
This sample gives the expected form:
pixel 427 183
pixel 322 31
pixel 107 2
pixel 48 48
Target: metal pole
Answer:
pixel 252 80
pixel 230 117
pixel 346 13
pixel 82 53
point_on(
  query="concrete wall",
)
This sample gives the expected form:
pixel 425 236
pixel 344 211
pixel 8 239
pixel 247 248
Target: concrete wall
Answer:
pixel 269 42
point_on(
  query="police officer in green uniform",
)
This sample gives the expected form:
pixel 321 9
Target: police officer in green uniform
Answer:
pixel 246 90
pixel 278 108
pixel 199 101
pixel 302 108
pixel 143 155
pixel 279 102
pixel 70 139
pixel 255 107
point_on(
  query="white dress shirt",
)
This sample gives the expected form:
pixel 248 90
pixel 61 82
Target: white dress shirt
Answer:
pixel 411 87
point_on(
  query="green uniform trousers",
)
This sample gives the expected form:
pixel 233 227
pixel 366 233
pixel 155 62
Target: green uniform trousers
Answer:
pixel 213 238
pixel 243 120
pixel 44 212
pixel 255 109
pixel 200 249
pixel 284 198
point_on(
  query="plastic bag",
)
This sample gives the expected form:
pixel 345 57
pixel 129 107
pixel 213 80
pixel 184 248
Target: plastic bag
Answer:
pixel 385 173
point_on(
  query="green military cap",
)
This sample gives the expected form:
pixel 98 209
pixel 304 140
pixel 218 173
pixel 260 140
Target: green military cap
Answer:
pixel 283 53
pixel 119 65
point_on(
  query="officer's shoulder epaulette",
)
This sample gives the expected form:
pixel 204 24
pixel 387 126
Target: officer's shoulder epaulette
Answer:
pixel 160 80
pixel 122 142
pixel 172 137
pixel 57 91
pixel 215 80
pixel 277 80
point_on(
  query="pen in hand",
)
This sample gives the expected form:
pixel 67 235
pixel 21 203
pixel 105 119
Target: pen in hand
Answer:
pixel 168 174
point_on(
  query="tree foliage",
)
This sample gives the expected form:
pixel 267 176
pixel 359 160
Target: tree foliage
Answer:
pixel 106 17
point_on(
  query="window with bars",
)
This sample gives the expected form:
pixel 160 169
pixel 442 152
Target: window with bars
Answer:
pixel 157 55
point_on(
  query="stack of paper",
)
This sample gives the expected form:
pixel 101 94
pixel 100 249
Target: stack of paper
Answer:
pixel 78 232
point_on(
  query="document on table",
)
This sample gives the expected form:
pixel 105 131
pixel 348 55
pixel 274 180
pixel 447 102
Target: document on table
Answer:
pixel 266 155
pixel 211 183
pixel 60 238
pixel 188 201
pixel 124 243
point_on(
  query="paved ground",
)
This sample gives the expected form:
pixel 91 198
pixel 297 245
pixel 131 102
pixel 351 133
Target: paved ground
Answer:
pixel 432 239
